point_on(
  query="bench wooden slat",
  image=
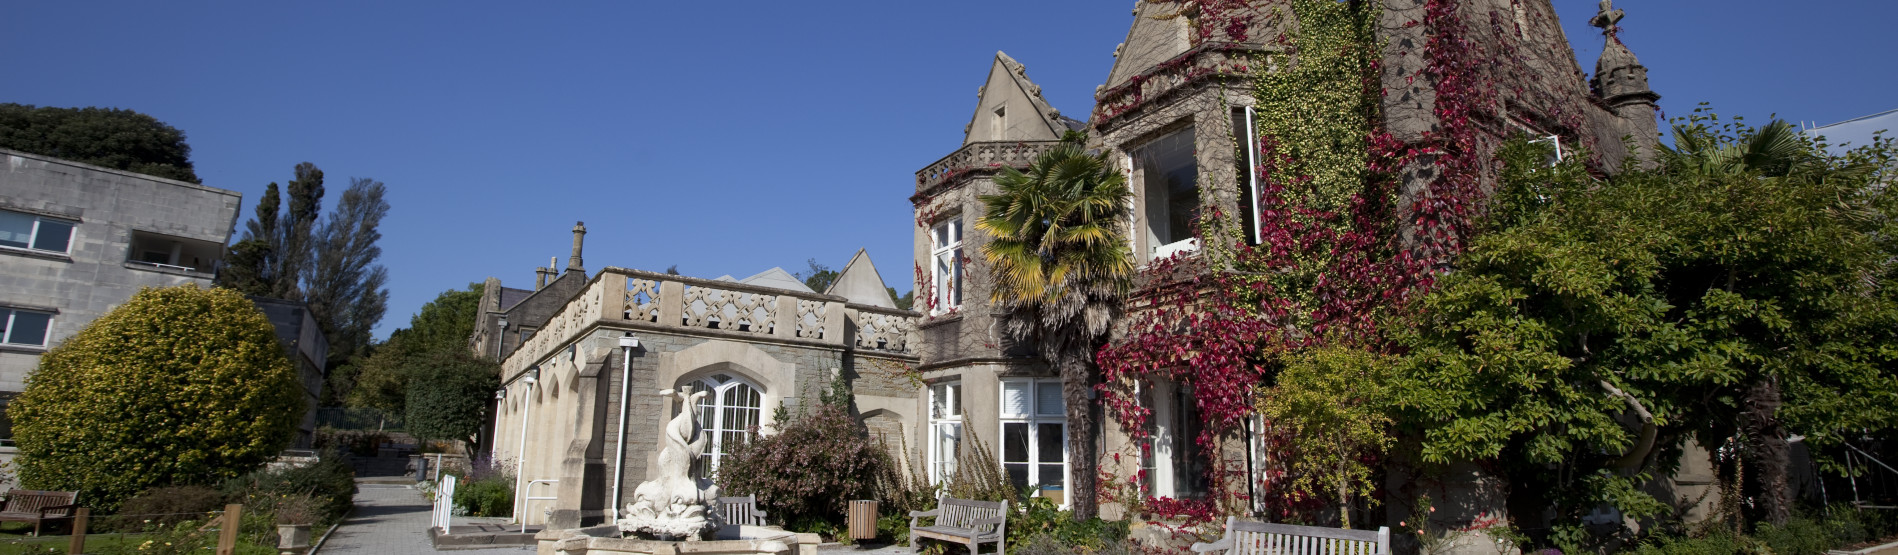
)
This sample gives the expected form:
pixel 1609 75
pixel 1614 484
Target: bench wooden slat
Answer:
pixel 963 521
pixel 1263 538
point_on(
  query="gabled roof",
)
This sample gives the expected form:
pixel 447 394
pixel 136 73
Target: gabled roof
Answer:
pixel 860 283
pixel 511 296
pixel 778 278
pixel 1008 86
pixel 1157 35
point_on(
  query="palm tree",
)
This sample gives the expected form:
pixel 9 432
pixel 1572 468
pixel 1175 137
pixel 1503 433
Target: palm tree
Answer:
pixel 1059 261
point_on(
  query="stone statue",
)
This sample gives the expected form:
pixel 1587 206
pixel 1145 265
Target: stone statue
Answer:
pixel 675 506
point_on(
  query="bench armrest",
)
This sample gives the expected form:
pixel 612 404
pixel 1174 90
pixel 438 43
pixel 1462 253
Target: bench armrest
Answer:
pixel 913 515
pixel 1221 545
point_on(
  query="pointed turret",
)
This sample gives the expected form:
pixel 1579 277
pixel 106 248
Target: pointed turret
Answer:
pixel 1619 77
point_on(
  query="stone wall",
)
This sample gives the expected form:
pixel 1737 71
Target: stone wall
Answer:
pixel 98 274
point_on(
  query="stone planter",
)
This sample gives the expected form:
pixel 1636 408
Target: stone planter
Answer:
pixel 293 536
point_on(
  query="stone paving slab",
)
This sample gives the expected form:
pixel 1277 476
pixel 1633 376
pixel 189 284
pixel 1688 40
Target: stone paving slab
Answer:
pixel 388 519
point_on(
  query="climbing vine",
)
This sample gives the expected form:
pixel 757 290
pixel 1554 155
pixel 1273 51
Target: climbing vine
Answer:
pixel 1341 242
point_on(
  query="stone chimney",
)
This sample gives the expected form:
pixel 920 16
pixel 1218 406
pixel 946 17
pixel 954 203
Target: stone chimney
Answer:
pixel 579 236
pixel 541 275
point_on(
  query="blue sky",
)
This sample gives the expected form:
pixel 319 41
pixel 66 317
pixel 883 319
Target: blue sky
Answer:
pixel 724 137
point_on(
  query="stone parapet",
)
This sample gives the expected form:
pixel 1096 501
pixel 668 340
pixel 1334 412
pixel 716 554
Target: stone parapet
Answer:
pixel 1201 63
pixel 683 305
pixel 978 158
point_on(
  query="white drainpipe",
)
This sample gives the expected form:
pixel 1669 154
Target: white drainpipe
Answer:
pixel 520 452
pixel 627 344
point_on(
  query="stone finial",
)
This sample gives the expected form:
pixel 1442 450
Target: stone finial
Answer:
pixel 1619 76
pixel 1607 18
pixel 579 236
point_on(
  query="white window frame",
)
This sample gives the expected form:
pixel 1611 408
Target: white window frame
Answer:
pixel 1034 418
pixel 33 236
pixel 6 334
pixel 942 466
pixel 714 424
pixel 1177 245
pixel 1166 448
pixel 945 238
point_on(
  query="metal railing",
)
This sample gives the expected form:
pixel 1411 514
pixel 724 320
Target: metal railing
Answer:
pixel 528 490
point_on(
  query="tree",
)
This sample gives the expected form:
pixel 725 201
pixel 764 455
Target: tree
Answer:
pixel 110 137
pixel 1597 325
pixel 818 277
pixel 343 283
pixel 1060 265
pixel 179 385
pixel 424 371
pixel 251 266
pixel 297 225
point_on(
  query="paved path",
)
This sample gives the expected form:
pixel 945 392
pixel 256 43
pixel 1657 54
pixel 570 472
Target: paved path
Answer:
pixel 389 519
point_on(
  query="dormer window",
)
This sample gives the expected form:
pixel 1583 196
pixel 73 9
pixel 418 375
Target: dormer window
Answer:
pixel 1168 175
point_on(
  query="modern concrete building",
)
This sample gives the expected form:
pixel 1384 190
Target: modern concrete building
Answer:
pixel 77 240
pixel 308 349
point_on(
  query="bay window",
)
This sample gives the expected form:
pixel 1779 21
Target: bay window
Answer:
pixel 1169 185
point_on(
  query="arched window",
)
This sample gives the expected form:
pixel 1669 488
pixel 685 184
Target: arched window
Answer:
pixel 729 411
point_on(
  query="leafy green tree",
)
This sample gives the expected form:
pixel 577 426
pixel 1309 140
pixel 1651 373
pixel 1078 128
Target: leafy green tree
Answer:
pixel 1333 399
pixel 344 285
pixel 110 137
pixel 818 277
pixel 1060 265
pixel 424 371
pixel 448 394
pixel 1672 300
pixel 179 385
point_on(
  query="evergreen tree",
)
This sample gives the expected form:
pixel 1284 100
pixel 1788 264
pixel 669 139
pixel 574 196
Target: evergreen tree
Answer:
pixel 342 281
pixel 251 266
pixel 296 225
pixel 109 137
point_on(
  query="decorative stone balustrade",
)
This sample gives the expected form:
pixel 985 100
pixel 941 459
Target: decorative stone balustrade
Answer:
pixel 981 157
pixel 1208 60
pixel 686 305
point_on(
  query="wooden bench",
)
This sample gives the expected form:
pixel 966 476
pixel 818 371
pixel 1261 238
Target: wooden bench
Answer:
pixel 1244 537
pixel 742 511
pixel 37 507
pixel 971 523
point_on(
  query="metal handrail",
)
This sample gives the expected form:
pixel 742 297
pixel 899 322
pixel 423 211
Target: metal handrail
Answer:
pixel 528 489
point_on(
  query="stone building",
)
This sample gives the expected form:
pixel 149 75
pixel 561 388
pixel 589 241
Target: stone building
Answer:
pixel 77 240
pixel 583 361
pixel 1173 114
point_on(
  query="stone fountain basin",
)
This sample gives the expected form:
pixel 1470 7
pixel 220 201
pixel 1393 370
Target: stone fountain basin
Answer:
pixel 733 540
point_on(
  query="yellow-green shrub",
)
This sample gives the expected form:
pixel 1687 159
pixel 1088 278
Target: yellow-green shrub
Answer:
pixel 177 386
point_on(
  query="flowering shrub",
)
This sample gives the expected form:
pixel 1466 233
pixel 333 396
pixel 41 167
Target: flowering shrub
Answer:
pixel 808 471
